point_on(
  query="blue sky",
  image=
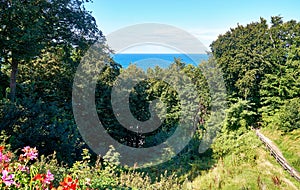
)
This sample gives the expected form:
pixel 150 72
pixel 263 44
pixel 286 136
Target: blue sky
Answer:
pixel 203 19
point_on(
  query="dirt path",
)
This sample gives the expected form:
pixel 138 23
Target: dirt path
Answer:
pixel 276 153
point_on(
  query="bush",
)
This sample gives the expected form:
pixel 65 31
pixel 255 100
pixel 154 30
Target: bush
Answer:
pixel 242 147
pixel 31 171
pixel 46 125
pixel 287 118
pixel 239 116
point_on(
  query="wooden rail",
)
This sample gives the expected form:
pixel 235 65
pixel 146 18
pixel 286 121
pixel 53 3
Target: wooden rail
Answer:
pixel 275 152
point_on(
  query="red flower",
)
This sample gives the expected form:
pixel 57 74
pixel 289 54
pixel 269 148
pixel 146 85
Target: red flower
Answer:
pixel 2 148
pixel 39 177
pixel 69 184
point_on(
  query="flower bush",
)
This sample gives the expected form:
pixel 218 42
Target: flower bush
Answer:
pixel 68 184
pixel 25 173
pixel 21 173
pixel 32 171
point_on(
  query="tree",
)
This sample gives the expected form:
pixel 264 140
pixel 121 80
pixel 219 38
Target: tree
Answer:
pixel 281 81
pixel 240 54
pixel 287 118
pixel 281 89
pixel 252 58
pixel 29 26
pixel 4 83
pixel 42 116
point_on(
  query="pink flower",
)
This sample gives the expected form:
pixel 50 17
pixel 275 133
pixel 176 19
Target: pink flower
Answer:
pixel 30 153
pixel 23 168
pixel 7 179
pixel 4 157
pixel 49 177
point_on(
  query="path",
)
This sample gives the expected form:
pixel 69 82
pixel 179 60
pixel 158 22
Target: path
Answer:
pixel 276 153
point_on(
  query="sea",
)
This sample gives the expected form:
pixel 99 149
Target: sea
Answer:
pixel 162 60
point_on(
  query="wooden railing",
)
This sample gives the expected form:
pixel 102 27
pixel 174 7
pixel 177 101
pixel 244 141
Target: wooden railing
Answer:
pixel 275 152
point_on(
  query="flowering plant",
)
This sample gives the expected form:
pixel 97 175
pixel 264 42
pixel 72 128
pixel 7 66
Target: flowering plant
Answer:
pixel 68 184
pixel 18 174
pixel 29 172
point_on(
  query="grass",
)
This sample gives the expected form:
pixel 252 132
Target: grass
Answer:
pixel 288 143
pixel 237 160
pixel 260 171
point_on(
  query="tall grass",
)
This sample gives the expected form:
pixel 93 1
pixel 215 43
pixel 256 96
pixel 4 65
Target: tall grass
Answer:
pixel 236 170
pixel 288 143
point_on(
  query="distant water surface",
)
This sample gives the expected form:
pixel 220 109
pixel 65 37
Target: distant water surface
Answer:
pixel 162 60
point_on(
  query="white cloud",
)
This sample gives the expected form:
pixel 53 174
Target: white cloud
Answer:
pixel 148 37
pixel 148 48
pixel 160 38
pixel 208 35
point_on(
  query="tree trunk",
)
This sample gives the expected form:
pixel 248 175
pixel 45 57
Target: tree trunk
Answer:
pixel 13 80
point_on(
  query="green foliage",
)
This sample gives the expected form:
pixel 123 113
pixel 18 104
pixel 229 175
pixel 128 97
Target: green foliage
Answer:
pixel 41 25
pixel 242 163
pixel 260 64
pixel 281 86
pixel 239 116
pixel 143 94
pixel 83 174
pixel 4 83
pixel 42 114
pixel 255 60
pixel 239 53
pixel 287 118
pixel 240 146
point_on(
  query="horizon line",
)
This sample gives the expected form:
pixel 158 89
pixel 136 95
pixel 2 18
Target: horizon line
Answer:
pixel 161 53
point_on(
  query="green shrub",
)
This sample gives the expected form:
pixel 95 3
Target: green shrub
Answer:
pixel 32 171
pixel 240 146
pixel 45 125
pixel 239 116
pixel 287 118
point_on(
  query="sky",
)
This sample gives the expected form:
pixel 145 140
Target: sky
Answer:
pixel 205 20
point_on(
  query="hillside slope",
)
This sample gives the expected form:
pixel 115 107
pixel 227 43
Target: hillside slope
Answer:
pixel 243 167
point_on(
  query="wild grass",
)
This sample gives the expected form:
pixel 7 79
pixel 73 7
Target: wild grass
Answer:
pixel 288 143
pixel 237 171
